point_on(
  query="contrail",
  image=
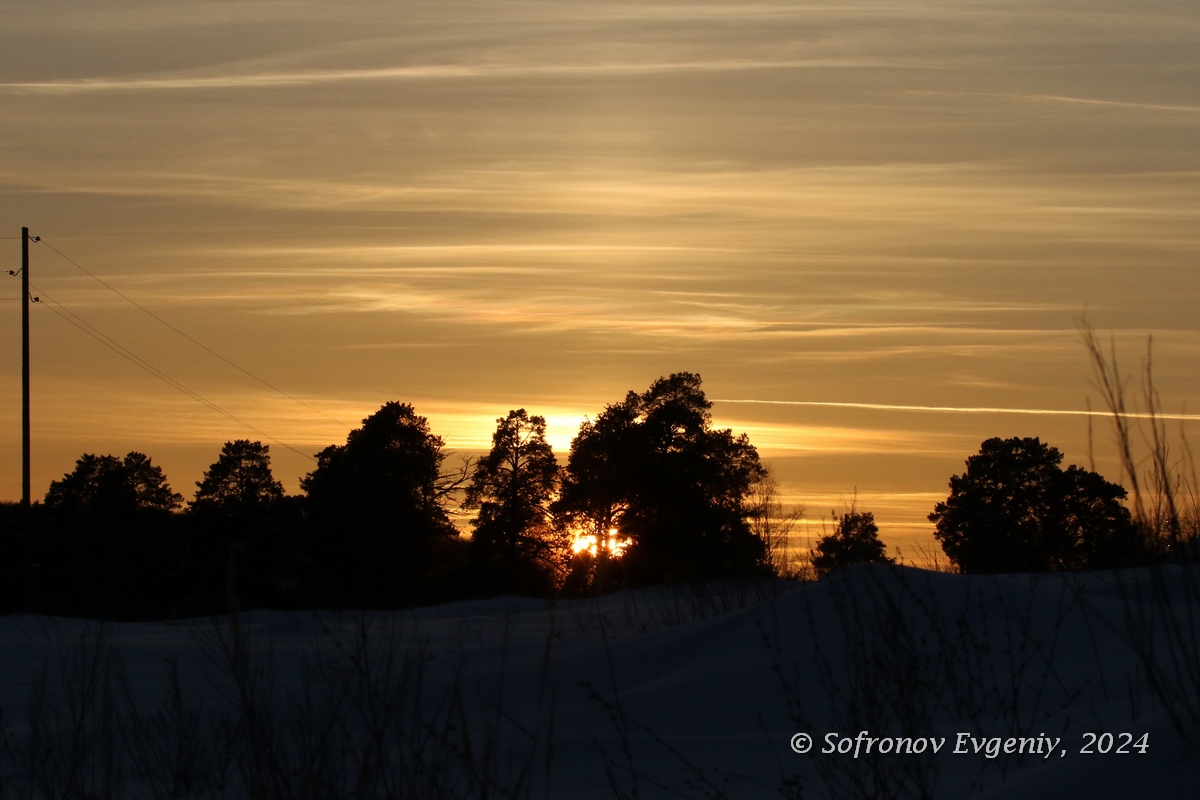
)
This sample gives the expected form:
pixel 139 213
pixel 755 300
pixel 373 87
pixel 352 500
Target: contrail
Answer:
pixel 1059 98
pixel 415 72
pixel 1050 412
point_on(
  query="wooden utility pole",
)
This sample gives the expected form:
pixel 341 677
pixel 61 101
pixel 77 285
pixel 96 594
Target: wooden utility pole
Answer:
pixel 25 367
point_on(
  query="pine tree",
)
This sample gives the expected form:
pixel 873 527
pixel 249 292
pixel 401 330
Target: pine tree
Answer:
pixel 854 541
pixel 512 486
pixel 239 482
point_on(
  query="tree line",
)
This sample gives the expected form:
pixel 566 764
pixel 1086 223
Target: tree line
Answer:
pixel 649 493
pixel 649 480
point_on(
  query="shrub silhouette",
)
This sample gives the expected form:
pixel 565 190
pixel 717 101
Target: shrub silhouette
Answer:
pixel 1016 510
pixel 855 540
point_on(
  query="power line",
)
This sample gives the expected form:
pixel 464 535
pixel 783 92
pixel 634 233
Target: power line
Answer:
pixel 120 349
pixel 194 341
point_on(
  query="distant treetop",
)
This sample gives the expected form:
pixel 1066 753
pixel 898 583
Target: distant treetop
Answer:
pixel 855 540
pixel 107 484
pixel 240 480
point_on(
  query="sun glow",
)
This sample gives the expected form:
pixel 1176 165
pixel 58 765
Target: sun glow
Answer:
pixel 612 543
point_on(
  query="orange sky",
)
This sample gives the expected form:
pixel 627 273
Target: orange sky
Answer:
pixel 477 206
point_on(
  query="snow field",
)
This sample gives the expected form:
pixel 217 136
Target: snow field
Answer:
pixel 693 692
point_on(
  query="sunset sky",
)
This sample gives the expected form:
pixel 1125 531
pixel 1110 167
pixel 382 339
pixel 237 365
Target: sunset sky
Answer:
pixel 878 221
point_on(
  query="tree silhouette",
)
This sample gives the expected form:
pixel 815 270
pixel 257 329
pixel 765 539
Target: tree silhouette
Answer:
pixel 652 468
pixel 377 504
pixel 855 540
pixel 239 482
pixel 246 543
pixel 109 485
pixel 109 538
pixel 774 524
pixel 1016 510
pixel 512 486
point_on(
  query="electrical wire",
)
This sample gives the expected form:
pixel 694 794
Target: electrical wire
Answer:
pixel 120 349
pixel 194 341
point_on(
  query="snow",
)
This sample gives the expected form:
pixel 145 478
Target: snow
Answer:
pixel 692 692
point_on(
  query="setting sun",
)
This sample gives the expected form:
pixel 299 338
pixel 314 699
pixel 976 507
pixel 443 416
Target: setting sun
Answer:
pixel 612 544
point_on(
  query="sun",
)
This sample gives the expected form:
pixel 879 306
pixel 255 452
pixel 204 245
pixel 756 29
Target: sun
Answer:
pixel 612 543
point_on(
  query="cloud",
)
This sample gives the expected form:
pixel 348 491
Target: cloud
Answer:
pixel 783 439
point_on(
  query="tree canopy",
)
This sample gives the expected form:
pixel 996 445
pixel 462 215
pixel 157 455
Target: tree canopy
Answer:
pixel 388 471
pixel 855 540
pixel 1016 510
pixel 653 468
pixel 377 502
pixel 102 485
pixel 239 482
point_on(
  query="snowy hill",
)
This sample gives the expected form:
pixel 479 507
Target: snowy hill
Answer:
pixel 649 693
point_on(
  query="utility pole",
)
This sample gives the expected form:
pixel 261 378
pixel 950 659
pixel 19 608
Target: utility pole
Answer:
pixel 25 367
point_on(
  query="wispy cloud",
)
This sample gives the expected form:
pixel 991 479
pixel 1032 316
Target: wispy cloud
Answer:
pixel 782 439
